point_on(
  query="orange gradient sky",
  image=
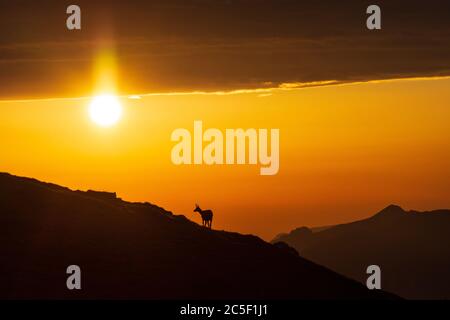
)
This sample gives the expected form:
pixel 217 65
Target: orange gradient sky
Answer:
pixel 346 151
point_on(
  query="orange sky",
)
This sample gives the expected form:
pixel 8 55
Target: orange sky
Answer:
pixel 345 152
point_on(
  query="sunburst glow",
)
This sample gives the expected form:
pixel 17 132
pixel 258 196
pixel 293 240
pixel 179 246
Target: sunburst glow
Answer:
pixel 105 110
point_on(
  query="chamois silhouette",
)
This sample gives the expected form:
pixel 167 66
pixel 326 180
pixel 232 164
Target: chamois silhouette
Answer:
pixel 207 216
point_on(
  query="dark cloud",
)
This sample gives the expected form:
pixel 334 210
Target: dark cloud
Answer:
pixel 212 45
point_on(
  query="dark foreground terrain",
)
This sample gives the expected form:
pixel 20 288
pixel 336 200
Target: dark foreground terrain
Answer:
pixel 138 250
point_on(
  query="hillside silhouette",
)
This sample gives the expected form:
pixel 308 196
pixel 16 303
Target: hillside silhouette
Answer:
pixel 139 250
pixel 412 249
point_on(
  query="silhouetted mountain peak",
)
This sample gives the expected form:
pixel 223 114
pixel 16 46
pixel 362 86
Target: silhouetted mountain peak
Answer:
pixel 302 231
pixel 390 211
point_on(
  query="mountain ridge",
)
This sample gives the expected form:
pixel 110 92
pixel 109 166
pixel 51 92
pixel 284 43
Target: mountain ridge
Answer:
pixel 409 246
pixel 139 250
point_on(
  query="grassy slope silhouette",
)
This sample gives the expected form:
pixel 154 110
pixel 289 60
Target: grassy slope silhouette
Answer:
pixel 138 250
pixel 412 249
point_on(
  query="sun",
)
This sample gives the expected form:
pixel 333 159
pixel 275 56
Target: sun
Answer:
pixel 105 110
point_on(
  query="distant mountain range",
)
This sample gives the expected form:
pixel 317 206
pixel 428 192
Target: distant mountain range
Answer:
pixel 139 250
pixel 412 249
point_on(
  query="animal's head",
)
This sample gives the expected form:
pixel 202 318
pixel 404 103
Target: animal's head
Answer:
pixel 197 208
